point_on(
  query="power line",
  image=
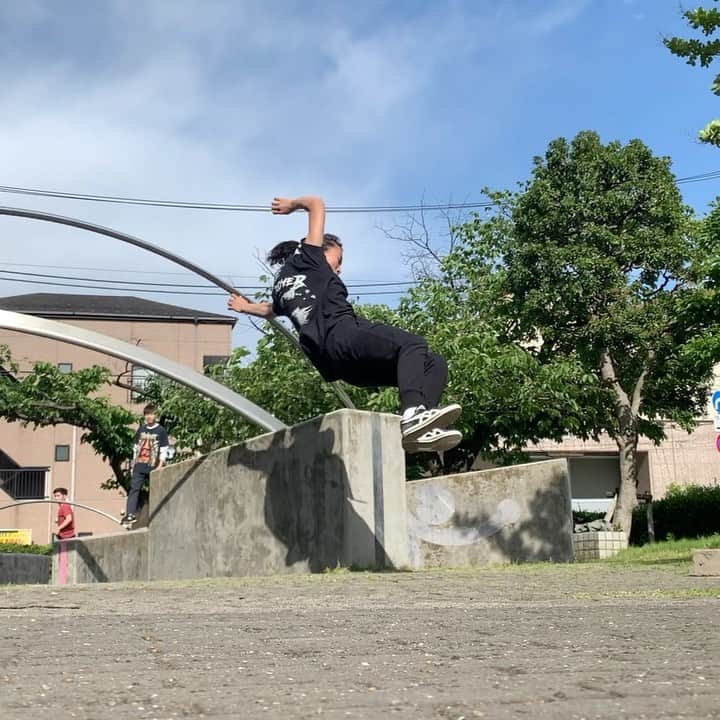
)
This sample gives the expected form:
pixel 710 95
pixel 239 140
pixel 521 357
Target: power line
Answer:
pixel 181 285
pixel 247 207
pixel 156 291
pixel 229 207
pixel 132 271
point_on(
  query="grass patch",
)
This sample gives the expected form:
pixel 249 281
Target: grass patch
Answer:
pixel 665 552
pixel 656 593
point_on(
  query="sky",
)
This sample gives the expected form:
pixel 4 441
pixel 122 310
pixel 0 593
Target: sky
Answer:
pixel 375 103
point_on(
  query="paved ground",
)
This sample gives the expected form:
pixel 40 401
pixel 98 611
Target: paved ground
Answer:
pixel 537 642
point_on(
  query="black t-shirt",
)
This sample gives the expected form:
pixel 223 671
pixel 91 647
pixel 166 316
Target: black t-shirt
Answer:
pixel 307 291
pixel 148 441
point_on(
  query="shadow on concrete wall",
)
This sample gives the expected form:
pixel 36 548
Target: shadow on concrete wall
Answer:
pixel 293 483
pixel 544 534
pixel 193 466
pixel 89 561
pixel 540 529
pixel 307 493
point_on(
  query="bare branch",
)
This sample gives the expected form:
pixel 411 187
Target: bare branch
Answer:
pixel 607 372
pixel 52 405
pixel 637 392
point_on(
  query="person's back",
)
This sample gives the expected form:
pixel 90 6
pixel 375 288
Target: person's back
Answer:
pixel 308 292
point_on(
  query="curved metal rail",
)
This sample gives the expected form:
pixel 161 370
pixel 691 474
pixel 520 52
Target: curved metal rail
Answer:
pixel 150 360
pixel 132 240
pixel 63 502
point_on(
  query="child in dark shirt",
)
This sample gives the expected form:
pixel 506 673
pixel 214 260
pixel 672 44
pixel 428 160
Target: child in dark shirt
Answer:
pixel 149 453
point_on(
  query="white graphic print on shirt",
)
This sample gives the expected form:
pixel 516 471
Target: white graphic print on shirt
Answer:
pixel 293 289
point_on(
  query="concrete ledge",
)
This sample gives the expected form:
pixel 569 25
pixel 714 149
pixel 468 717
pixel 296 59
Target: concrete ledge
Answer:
pixel 102 558
pixel 24 569
pixel 520 513
pixel 327 493
pixel 706 563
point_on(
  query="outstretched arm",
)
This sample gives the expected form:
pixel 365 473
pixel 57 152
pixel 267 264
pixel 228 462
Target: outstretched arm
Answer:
pixel 316 215
pixel 240 304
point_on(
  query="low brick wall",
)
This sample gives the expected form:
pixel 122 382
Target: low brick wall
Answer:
pixel 598 545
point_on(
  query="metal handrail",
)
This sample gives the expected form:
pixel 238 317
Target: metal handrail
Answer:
pixel 142 244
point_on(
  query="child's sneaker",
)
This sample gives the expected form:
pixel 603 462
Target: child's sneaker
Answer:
pixel 423 420
pixel 436 440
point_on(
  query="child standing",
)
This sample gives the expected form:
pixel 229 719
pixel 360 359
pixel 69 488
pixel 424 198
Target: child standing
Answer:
pixel 150 451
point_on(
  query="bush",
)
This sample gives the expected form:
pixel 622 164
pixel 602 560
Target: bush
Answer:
pixel 586 516
pixel 28 549
pixel 687 511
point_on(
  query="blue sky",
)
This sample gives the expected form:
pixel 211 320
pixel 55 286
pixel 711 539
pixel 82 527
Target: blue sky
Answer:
pixel 372 103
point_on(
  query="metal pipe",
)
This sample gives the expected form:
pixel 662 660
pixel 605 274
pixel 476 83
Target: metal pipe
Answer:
pixel 63 502
pixel 142 244
pixel 150 360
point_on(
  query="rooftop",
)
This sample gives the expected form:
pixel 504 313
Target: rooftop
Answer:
pixel 106 307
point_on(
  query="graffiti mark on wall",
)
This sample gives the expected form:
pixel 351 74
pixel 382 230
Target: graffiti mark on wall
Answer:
pixel 435 520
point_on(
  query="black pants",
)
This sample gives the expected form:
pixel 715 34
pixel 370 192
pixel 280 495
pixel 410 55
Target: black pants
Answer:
pixel 371 354
pixel 140 475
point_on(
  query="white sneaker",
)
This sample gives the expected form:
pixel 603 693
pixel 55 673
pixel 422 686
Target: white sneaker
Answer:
pixel 436 440
pixel 424 420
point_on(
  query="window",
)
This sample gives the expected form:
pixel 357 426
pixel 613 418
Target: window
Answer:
pixel 65 368
pixel 139 377
pixel 62 453
pixel 210 360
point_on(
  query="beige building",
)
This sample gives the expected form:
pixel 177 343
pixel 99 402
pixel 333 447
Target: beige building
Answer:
pixel 33 462
pixel 682 459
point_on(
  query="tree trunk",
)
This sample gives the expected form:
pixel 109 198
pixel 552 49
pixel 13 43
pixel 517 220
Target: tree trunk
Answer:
pixel 627 494
pixel 627 409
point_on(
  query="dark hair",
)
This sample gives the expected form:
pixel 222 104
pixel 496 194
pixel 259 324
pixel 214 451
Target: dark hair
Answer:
pixel 282 251
pixel 149 409
pixel 60 490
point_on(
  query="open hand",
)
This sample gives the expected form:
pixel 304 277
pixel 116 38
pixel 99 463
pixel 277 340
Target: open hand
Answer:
pixel 282 206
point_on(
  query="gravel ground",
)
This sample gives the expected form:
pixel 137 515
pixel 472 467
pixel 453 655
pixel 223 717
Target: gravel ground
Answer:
pixel 562 641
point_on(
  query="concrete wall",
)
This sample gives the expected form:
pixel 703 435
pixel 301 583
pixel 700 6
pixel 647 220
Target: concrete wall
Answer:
pixel 512 514
pixel 327 493
pixel 104 558
pixel 21 568
pixel 323 494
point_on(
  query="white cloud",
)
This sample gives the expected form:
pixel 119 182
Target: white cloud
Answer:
pixel 229 102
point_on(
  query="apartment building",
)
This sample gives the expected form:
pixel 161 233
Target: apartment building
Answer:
pixel 32 462
pixel 682 458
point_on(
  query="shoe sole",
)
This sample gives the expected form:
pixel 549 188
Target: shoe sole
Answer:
pixel 445 416
pixel 441 444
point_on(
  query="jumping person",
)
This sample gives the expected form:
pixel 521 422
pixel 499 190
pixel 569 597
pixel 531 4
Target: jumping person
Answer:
pixel 342 346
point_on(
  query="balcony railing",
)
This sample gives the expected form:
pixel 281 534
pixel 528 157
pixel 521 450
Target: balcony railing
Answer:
pixel 24 483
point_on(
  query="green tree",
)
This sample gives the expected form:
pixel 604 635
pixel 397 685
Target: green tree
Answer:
pixel 44 396
pixel 595 268
pixel 701 52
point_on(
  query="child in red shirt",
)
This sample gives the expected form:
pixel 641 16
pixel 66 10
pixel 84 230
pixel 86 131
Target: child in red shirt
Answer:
pixel 65 524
